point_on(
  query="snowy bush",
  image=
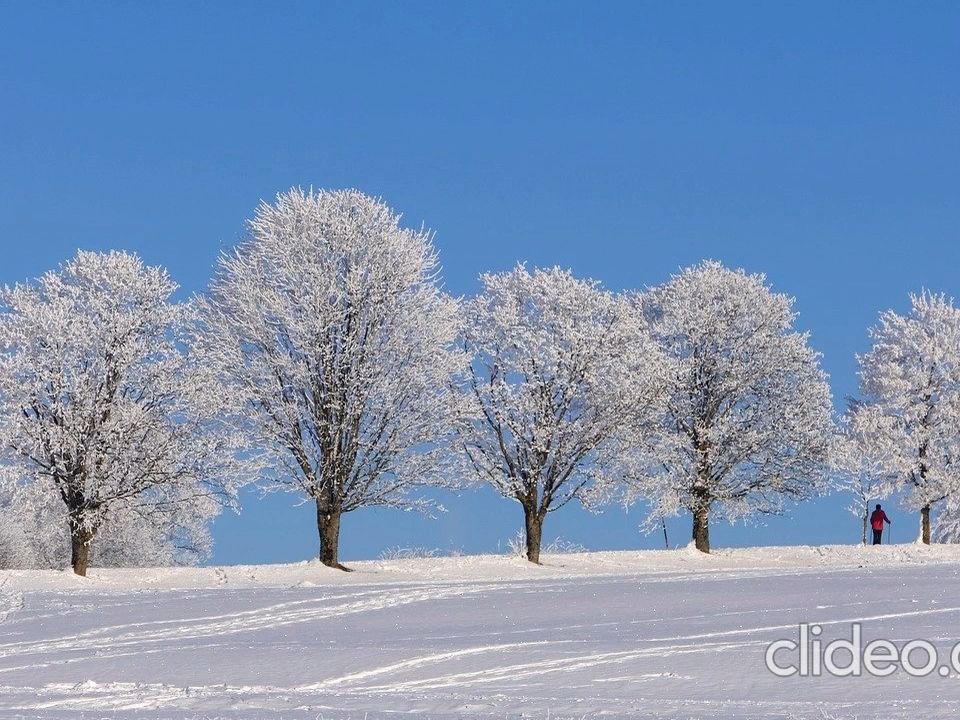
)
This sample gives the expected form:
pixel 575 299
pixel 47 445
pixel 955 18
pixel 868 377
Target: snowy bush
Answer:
pixel 409 553
pixel 559 546
pixel 517 546
pixel 34 535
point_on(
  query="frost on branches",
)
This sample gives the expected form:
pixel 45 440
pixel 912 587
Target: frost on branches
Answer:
pixel 33 534
pixel 335 341
pixel 747 414
pixel 862 458
pixel 561 371
pixel 104 410
pixel 912 376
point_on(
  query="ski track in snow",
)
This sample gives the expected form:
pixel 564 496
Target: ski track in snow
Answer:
pixel 680 642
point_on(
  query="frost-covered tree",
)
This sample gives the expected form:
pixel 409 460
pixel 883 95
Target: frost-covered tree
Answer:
pixel 332 336
pixel 561 373
pixel 747 414
pixel 103 406
pixel 946 529
pixel 911 374
pixel 862 457
pixel 28 532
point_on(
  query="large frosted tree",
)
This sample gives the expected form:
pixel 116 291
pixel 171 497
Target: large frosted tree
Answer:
pixel 561 374
pixel 746 422
pixel 330 333
pixel 911 375
pixel 104 407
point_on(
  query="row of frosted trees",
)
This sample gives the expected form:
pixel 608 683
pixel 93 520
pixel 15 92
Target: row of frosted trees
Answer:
pixel 324 358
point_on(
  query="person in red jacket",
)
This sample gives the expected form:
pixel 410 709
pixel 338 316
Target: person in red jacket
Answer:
pixel 877 519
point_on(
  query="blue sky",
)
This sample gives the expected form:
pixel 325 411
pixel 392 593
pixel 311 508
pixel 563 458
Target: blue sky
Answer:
pixel 818 143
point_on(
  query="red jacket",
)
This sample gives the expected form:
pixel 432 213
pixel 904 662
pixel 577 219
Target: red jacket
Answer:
pixel 878 518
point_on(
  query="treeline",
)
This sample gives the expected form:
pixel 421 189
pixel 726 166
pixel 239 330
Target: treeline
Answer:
pixel 325 359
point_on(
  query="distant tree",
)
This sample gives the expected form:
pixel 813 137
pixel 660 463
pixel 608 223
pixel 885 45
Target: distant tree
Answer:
pixel 747 415
pixel 862 458
pixel 330 333
pixel 911 375
pixel 103 407
pixel 562 372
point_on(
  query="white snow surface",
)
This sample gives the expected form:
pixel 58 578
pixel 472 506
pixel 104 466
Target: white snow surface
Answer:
pixel 665 634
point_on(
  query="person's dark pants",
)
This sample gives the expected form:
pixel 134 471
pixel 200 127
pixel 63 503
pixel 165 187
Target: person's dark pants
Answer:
pixel 877 534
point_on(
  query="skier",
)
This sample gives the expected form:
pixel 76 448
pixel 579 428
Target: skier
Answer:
pixel 877 519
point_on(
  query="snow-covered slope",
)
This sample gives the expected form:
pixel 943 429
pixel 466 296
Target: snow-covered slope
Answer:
pixel 618 634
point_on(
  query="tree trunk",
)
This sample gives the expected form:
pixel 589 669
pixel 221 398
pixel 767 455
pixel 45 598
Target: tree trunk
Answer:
pixel 328 525
pixel 866 521
pixel 533 525
pixel 701 494
pixel 81 540
pixel 925 510
pixel 701 526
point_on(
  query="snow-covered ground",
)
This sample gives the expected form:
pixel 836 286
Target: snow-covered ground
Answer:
pixel 670 634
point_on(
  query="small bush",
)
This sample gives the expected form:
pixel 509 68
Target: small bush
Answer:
pixel 517 546
pixel 409 553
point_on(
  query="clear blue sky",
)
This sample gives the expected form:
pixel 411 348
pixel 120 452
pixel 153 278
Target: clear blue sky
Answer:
pixel 819 143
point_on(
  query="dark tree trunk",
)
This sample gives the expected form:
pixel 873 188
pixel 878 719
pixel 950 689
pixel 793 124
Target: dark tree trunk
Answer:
pixel 925 510
pixel 866 522
pixel 81 540
pixel 701 526
pixel 328 525
pixel 533 526
pixel 701 494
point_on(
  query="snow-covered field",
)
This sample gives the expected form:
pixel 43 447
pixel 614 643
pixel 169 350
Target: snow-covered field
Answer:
pixel 621 634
